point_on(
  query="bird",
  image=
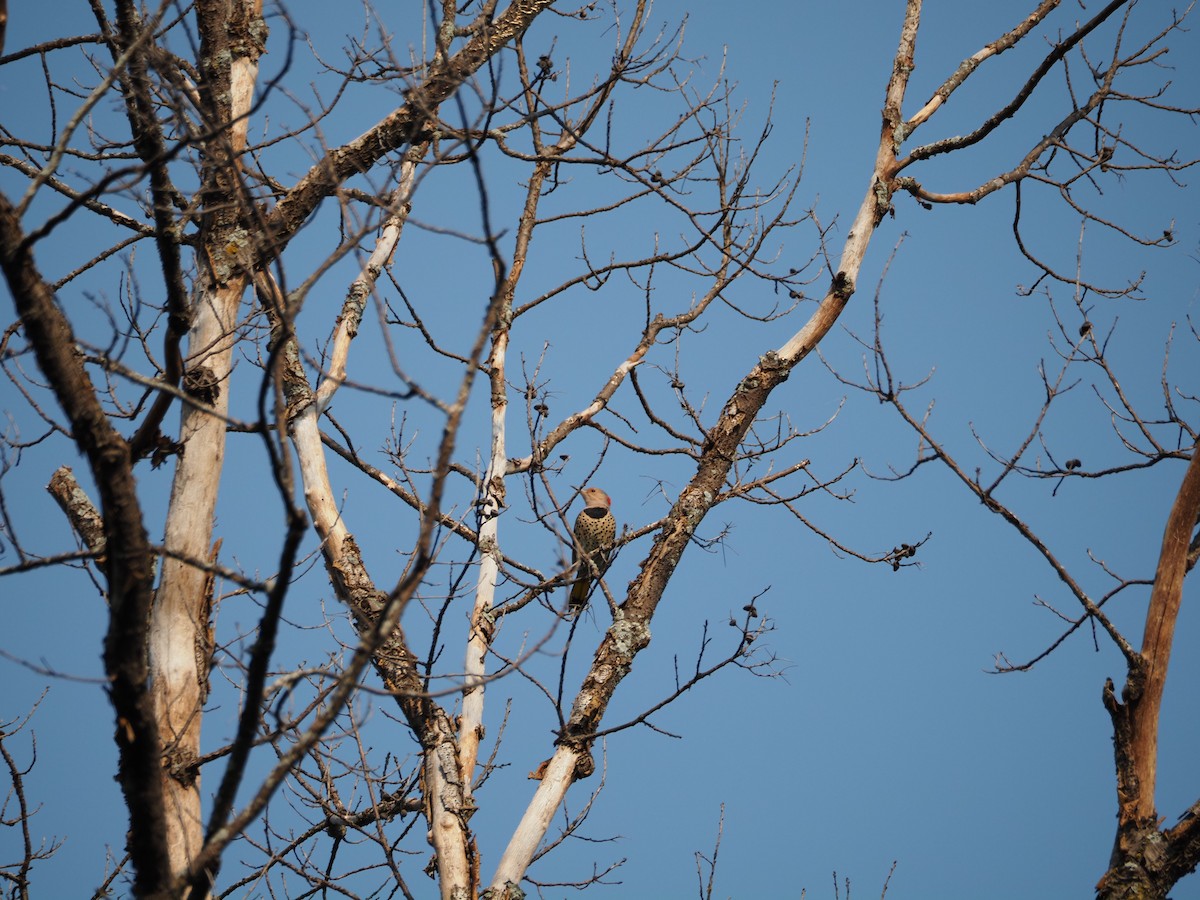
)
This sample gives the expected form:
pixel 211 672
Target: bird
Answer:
pixel 595 531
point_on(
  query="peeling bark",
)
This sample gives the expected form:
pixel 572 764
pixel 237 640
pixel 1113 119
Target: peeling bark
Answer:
pixel 1146 862
pixel 85 519
pixel 231 41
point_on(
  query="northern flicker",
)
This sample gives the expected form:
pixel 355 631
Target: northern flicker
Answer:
pixel 595 531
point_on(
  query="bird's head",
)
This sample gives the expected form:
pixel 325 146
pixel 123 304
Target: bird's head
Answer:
pixel 593 496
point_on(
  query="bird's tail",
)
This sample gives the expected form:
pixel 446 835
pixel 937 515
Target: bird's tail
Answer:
pixel 579 595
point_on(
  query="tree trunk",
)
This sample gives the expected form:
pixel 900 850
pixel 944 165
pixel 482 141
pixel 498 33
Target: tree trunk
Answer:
pixel 1146 862
pixel 179 624
pixel 232 35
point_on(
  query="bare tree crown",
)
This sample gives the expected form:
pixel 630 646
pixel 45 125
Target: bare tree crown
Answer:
pixel 336 342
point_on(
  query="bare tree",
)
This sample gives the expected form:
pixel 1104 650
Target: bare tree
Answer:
pixel 507 136
pixel 1147 859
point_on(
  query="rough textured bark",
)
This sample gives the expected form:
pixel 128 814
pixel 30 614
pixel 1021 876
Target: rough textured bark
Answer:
pixel 129 561
pixel 630 632
pixel 85 519
pixel 377 615
pixel 376 618
pixel 409 124
pixel 191 120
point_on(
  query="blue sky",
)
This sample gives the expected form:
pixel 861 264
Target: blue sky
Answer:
pixel 886 737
